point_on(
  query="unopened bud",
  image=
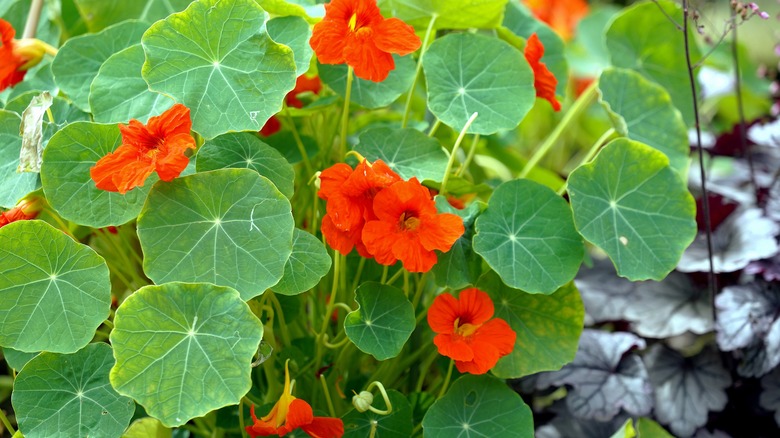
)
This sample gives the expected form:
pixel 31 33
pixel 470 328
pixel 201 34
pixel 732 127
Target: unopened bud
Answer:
pixel 362 402
pixel 31 51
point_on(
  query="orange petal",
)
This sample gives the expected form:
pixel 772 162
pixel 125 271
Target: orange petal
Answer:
pixel 379 237
pixel 329 39
pixel 368 61
pixel 170 160
pixel 299 414
pixel 324 427
pixel 485 357
pixel 332 178
pixel 395 36
pixel 454 347
pixel 408 249
pixel 341 241
pixel 498 333
pixel 440 231
pixel 544 80
pixel 443 313
pixel 474 306
pixel 176 120
pixel 271 126
pixel 122 170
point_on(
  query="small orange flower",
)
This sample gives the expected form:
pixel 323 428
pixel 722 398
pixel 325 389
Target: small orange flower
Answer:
pixel 354 32
pixel 11 71
pixel 409 228
pixel 25 210
pixel 466 332
pixel 157 146
pixel 544 80
pixel 290 413
pixel 350 195
pixel 561 15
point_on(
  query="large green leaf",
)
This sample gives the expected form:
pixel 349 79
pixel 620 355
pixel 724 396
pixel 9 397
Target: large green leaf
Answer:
pixel 54 292
pixel 367 93
pixel 244 150
pixel 384 321
pixel 229 227
pixel 631 204
pixel 129 96
pixel 643 111
pixel 293 32
pixel 99 14
pixel 67 395
pixel 308 263
pixel 468 73
pixel 183 350
pixel 643 38
pixel 71 152
pixel 17 359
pixel 397 424
pixel 528 237
pixel 310 10
pixel 79 59
pixel 460 266
pixel 450 14
pixel 13 185
pixel 521 22
pixel 216 58
pixel 479 406
pixel 548 327
pixel 409 152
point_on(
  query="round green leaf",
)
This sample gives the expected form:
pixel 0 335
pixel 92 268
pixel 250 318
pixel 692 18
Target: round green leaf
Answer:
pixel 307 9
pixel 293 32
pixel 79 59
pixel 383 322
pixel 521 22
pixel 409 152
pixel 308 263
pixel 548 327
pixel 98 14
pixel 67 395
pixel 244 150
pixel 129 97
pixel 17 359
pixel 479 406
pixel 450 14
pixel 631 204
pixel 468 73
pixel 183 350
pixel 71 152
pixel 370 94
pixel 215 58
pixel 527 236
pixel 147 427
pixel 54 292
pixel 643 111
pixel 397 424
pixel 229 227
pixel 13 185
pixel 645 39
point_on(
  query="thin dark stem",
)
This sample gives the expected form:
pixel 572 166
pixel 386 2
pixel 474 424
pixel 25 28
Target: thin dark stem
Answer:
pixel 741 111
pixel 702 172
pixel 671 19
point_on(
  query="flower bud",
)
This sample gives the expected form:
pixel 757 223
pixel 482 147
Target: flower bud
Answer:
pixel 362 402
pixel 30 51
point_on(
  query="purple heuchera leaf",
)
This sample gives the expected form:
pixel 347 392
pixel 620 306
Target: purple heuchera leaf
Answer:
pixel 670 307
pixel 604 378
pixel 742 238
pixel 747 318
pixel 566 425
pixel 768 268
pixel 605 295
pixel 770 397
pixel 765 135
pixel 686 388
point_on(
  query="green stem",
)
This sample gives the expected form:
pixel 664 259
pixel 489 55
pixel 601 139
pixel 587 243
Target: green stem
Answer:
pixel 591 153
pixel 408 105
pixel 360 267
pixel 7 423
pixel 579 106
pixel 345 115
pixel 298 141
pixel 420 289
pixel 446 382
pixel 469 157
pixel 280 316
pixel 325 389
pixel 241 422
pixel 434 128
pixel 453 153
pixel 395 276
pixel 384 275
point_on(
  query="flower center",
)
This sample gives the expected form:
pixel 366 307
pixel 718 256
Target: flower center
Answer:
pixel 408 221
pixel 353 22
pixel 465 330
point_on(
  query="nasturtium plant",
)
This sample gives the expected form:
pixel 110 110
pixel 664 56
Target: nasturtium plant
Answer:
pixel 360 218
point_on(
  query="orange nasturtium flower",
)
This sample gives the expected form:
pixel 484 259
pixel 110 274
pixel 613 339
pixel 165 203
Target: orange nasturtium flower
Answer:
pixel 544 80
pixel 350 196
pixel 561 15
pixel 157 146
pixel 25 210
pixel 409 228
pixel 354 32
pixel 466 332
pixel 11 62
pixel 290 413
